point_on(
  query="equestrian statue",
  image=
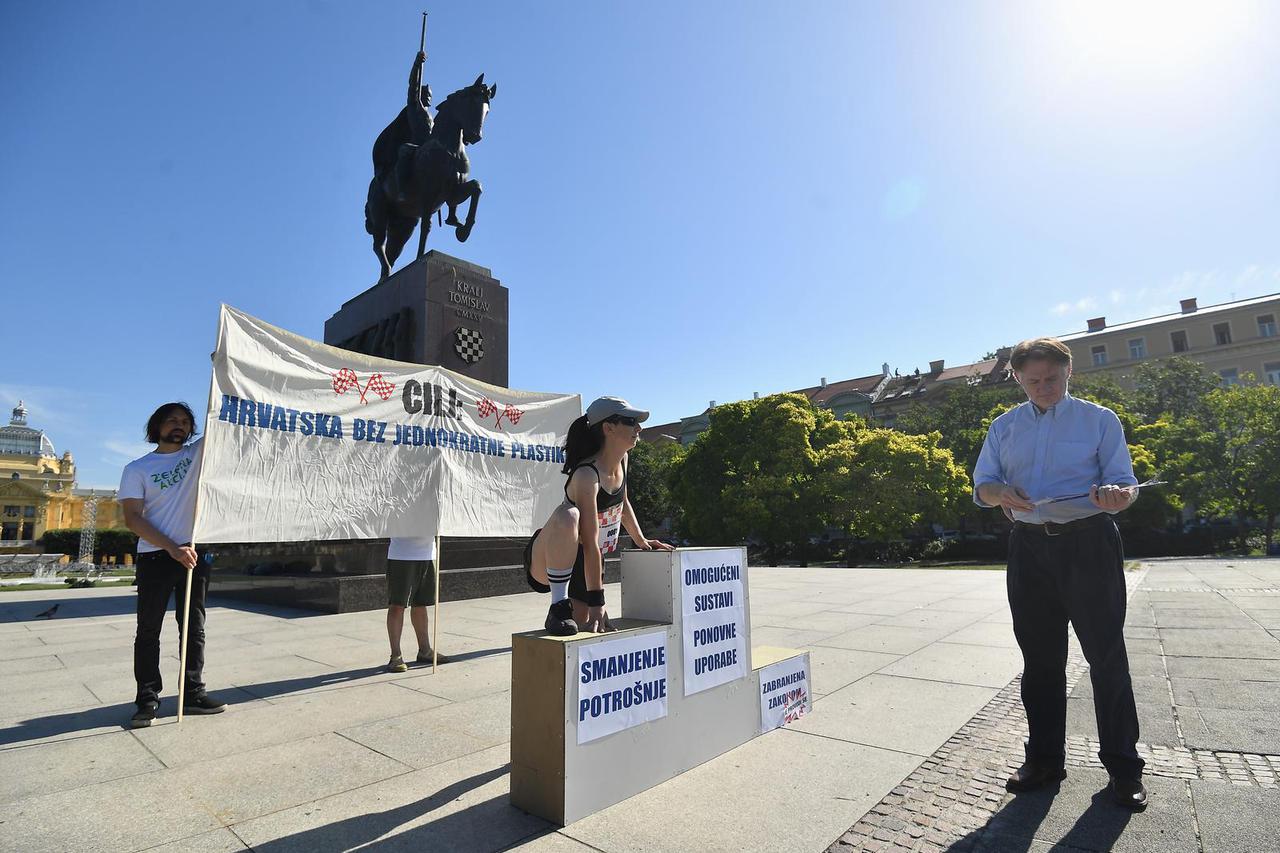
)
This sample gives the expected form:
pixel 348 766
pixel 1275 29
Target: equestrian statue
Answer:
pixel 420 164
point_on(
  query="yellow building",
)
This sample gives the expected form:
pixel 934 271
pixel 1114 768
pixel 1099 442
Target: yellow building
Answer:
pixel 1232 339
pixel 38 488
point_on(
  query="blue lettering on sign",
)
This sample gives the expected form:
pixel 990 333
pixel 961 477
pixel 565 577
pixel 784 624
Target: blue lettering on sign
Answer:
pixel 616 700
pixel 712 601
pixel 242 412
pixel 622 664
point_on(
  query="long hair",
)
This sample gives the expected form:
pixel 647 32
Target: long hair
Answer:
pixel 158 416
pixel 584 441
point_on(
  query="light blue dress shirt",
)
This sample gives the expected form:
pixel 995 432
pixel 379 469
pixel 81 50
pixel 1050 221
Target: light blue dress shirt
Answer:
pixel 1063 451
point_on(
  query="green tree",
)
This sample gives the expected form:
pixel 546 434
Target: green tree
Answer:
pixel 1227 457
pixel 778 470
pixel 878 484
pixel 1175 386
pixel 958 416
pixel 647 489
pixel 749 475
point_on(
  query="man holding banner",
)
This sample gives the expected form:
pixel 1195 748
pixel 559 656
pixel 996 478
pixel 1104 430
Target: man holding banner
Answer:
pixel 158 493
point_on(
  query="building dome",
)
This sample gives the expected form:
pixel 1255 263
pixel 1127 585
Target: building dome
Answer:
pixel 19 439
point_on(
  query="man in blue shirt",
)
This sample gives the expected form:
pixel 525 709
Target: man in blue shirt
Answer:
pixel 1066 561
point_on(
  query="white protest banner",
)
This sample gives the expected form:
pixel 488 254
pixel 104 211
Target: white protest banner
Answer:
pixel 307 441
pixel 784 692
pixel 715 628
pixel 621 683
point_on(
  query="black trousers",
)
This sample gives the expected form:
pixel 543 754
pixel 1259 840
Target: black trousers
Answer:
pixel 160 577
pixel 1075 576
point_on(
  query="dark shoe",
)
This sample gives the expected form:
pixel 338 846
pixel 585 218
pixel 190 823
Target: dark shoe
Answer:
pixel 1130 793
pixel 425 657
pixel 560 619
pixel 203 704
pixel 396 664
pixel 145 714
pixel 1030 776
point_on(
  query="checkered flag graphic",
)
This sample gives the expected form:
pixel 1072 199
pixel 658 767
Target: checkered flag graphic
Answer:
pixel 344 380
pixel 380 386
pixel 468 344
pixel 486 407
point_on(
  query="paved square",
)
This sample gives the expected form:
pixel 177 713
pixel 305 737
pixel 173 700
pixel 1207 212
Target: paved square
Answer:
pixel 913 673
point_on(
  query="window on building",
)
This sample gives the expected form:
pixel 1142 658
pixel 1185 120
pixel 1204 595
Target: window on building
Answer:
pixel 28 512
pixel 1230 376
pixel 9 531
pixel 1221 333
pixel 1137 348
pixel 1099 354
pixel 28 531
pixel 1267 326
pixel 1271 370
pixel 11 511
pixel 1179 341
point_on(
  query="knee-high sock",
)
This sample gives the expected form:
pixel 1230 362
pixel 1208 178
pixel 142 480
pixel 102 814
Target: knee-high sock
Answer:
pixel 558 580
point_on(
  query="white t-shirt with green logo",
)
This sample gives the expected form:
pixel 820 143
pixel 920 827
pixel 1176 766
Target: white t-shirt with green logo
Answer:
pixel 166 483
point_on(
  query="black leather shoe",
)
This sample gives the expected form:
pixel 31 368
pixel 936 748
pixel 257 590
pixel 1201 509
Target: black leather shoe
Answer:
pixel 145 714
pixel 1030 776
pixel 560 619
pixel 1130 793
pixel 203 704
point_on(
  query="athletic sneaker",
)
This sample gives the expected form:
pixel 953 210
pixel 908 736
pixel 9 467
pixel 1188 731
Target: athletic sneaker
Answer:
pixel 145 714
pixel 396 664
pixel 560 619
pixel 203 704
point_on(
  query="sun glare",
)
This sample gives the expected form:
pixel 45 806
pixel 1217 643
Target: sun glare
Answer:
pixel 1143 40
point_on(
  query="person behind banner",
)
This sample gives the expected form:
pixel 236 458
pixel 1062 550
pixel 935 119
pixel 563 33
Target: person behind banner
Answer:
pixel 158 494
pixel 411 583
pixel 594 509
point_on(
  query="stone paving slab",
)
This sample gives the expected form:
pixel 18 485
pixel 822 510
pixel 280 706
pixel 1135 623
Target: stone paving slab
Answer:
pixel 1233 819
pixel 803 792
pixel 251 726
pixel 218 841
pixel 885 638
pixel 35 770
pixel 834 668
pixel 148 811
pixel 904 714
pixel 982 666
pixel 1237 731
pixel 460 805
pixel 1081 816
pixel 265 780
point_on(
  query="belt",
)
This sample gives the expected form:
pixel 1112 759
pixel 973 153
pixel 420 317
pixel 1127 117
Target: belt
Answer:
pixel 1055 528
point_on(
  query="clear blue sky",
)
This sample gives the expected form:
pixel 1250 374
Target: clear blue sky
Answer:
pixel 688 201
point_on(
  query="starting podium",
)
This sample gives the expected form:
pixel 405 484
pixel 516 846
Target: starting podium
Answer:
pixel 675 686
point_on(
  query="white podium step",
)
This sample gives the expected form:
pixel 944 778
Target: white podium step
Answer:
pixel 597 718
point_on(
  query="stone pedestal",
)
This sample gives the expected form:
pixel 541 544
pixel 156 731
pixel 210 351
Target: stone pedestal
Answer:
pixel 436 310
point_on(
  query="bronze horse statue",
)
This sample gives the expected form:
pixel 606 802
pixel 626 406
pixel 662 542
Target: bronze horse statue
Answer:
pixel 440 173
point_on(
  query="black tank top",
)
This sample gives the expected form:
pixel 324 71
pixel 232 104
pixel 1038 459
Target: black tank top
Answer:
pixel 608 506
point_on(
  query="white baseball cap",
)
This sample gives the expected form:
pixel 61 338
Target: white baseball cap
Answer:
pixel 606 407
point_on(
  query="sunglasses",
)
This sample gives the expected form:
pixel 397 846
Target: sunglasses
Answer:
pixel 622 419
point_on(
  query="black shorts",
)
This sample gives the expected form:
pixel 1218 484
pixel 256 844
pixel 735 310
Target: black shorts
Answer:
pixel 577 583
